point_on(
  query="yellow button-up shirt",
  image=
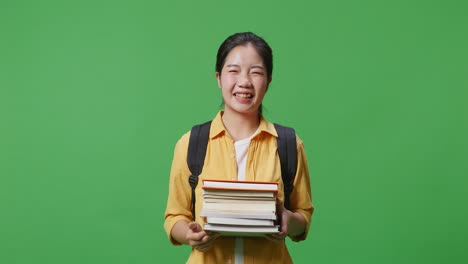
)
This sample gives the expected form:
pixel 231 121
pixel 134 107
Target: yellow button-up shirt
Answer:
pixel 220 163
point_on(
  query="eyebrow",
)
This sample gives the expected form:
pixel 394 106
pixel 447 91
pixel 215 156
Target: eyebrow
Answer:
pixel 255 66
pixel 258 66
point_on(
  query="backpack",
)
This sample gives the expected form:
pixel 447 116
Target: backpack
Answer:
pixel 287 152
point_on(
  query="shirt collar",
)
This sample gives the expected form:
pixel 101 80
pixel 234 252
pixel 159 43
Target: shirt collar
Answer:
pixel 217 126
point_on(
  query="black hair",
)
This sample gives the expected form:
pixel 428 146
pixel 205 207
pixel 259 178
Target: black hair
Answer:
pixel 243 39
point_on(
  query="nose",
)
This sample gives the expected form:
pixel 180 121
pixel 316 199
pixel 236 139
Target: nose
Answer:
pixel 244 81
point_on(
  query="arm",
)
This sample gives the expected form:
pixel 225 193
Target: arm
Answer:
pixel 179 196
pixel 178 216
pixel 295 222
pixel 301 196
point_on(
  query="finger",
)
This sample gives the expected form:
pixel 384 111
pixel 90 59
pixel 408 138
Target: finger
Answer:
pixel 280 234
pixel 195 227
pixel 284 221
pixel 196 237
pixel 207 241
pixel 284 227
pixel 204 239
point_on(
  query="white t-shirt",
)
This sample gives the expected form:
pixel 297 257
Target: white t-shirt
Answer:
pixel 242 147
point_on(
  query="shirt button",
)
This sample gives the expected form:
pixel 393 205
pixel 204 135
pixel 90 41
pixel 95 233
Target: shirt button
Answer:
pixel 232 155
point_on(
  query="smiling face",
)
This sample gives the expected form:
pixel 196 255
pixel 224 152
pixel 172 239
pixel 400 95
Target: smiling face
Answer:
pixel 243 81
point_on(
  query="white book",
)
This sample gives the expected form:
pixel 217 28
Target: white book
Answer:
pixel 239 221
pixel 243 207
pixel 238 214
pixel 245 231
pixel 236 193
pixel 242 200
pixel 240 185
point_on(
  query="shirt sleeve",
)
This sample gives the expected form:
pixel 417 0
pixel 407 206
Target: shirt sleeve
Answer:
pixel 301 196
pixel 179 197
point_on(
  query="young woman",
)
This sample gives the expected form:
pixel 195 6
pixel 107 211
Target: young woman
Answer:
pixel 242 146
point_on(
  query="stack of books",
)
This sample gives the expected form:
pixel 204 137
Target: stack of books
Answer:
pixel 240 208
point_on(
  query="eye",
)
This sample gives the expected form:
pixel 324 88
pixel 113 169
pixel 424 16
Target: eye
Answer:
pixel 233 71
pixel 257 73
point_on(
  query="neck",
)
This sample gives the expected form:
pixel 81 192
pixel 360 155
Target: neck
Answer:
pixel 240 126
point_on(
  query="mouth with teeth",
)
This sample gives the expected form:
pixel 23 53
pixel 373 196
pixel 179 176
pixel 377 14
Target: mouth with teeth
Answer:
pixel 243 95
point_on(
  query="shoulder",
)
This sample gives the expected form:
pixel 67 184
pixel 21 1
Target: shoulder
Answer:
pixel 277 126
pixel 299 141
pixel 184 140
pixel 181 146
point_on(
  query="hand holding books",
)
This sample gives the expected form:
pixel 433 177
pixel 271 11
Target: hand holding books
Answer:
pixel 199 238
pixel 292 224
pixel 240 208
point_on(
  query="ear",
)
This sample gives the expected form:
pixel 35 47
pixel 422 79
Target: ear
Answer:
pixel 218 78
pixel 268 83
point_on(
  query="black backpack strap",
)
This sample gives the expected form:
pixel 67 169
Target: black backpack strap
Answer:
pixel 287 151
pixel 199 136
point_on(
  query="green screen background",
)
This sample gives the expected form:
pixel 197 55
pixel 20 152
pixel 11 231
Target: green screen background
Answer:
pixel 95 94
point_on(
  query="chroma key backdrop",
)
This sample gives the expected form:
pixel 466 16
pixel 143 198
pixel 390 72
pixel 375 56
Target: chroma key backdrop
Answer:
pixel 95 94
